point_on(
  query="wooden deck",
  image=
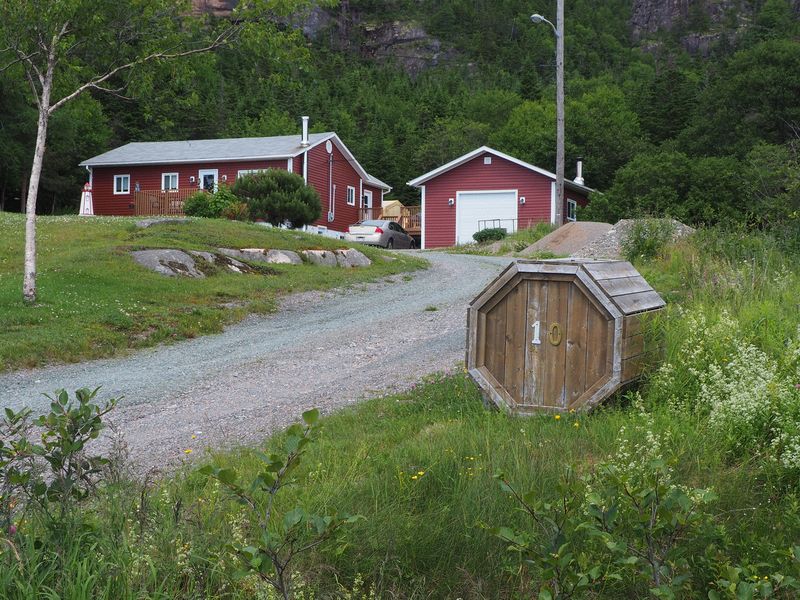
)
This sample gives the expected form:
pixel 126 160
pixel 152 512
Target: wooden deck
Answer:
pixel 150 203
pixel 409 217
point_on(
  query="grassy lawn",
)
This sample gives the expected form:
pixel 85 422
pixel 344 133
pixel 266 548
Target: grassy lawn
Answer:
pixel 95 301
pixel 419 467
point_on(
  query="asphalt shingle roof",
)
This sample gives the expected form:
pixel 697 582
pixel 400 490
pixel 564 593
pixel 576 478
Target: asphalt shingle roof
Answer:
pixel 143 153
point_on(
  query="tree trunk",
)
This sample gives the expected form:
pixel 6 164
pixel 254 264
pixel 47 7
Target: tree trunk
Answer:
pixel 29 282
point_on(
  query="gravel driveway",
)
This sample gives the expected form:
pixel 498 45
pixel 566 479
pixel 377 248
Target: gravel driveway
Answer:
pixel 323 349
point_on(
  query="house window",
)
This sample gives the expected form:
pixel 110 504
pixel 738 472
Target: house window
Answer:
pixel 122 184
pixel 169 181
pixel 351 195
pixel 244 172
pixel 572 210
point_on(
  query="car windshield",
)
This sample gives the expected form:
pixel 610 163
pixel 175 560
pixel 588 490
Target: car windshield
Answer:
pixel 372 223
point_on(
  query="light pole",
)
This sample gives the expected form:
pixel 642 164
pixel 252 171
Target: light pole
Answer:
pixel 558 30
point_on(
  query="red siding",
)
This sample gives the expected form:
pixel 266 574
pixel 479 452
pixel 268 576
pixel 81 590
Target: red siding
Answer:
pixel 343 174
pixel 297 164
pixel 149 178
pixel 440 217
pixel 376 195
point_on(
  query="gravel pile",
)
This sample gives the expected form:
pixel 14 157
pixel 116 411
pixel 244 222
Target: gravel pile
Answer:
pixel 609 245
pixel 568 238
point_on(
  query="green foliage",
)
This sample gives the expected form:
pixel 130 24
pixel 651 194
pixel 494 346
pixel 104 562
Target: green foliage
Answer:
pixel 236 211
pixel 199 205
pixel 668 183
pixel 647 238
pixel 55 474
pixel 282 536
pixel 279 197
pixel 213 205
pixel 491 234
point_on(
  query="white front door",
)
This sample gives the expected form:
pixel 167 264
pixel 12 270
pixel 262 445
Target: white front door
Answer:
pixel 482 210
pixel 367 201
pixel 208 179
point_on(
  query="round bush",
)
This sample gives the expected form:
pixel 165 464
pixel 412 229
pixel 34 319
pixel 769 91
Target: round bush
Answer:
pixel 489 235
pixel 279 197
pixel 198 205
pixel 212 206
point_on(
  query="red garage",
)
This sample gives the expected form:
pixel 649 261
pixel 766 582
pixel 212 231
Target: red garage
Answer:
pixel 486 188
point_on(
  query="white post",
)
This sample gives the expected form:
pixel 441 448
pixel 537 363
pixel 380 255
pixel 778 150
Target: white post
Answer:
pixel 304 139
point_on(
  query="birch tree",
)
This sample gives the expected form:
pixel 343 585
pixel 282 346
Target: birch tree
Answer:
pixel 65 48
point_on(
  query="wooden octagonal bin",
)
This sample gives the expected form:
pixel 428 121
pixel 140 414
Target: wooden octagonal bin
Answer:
pixel 558 335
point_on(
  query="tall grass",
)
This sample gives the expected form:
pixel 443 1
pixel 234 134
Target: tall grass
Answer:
pixel 419 467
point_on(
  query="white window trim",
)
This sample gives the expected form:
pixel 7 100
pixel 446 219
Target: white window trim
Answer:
pixel 177 182
pixel 244 172
pixel 349 189
pixel 127 191
pixel 574 211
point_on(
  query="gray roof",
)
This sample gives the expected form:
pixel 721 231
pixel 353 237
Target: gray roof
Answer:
pixel 190 151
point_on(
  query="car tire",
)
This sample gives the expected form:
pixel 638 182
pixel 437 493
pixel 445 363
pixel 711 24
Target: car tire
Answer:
pixel 412 245
pixel 390 244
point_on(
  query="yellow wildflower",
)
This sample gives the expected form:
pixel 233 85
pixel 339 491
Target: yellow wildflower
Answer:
pixel 576 424
pixel 187 451
pixel 557 417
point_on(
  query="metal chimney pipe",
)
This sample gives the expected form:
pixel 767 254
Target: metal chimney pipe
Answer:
pixel 304 139
pixel 579 173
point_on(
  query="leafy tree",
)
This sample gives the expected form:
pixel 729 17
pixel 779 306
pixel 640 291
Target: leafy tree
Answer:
pixel 279 197
pixel 669 183
pixel 449 138
pixel 754 98
pixel 67 48
pixel 650 184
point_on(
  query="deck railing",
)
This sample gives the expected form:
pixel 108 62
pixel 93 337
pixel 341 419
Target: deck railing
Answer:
pixel 408 217
pixel 147 203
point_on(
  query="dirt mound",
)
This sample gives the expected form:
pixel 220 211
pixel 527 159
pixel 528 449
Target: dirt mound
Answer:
pixel 568 239
pixel 609 244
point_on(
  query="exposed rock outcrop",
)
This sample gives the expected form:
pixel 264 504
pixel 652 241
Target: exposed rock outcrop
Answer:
pixel 407 43
pixel 261 255
pixel 172 263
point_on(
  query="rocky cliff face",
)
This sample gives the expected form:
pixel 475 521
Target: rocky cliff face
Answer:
pixel 651 16
pixel 703 21
pixel 406 43
pixel 218 8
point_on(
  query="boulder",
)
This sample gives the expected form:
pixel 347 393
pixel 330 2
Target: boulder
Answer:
pixel 283 257
pixel 324 258
pixel 168 262
pixel 261 255
pixel 352 258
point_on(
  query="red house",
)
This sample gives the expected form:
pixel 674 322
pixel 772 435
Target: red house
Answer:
pixel 486 188
pixel 146 178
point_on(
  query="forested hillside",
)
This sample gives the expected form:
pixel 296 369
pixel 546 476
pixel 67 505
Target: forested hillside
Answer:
pixel 693 112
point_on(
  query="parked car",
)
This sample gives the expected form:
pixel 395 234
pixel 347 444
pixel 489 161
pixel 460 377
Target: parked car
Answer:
pixel 374 232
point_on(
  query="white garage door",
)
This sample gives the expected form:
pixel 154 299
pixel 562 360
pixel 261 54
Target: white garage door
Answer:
pixel 475 207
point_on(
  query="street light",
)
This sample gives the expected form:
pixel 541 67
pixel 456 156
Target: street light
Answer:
pixel 558 31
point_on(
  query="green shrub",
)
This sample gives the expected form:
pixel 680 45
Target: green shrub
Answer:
pixel 237 211
pixel 492 234
pixel 198 205
pixel 647 238
pixel 212 206
pixel 279 197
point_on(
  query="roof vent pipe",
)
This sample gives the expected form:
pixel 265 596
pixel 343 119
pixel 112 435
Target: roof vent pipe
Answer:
pixel 304 139
pixel 579 173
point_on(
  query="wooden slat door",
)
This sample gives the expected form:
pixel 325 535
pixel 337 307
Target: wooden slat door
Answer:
pixel 570 355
